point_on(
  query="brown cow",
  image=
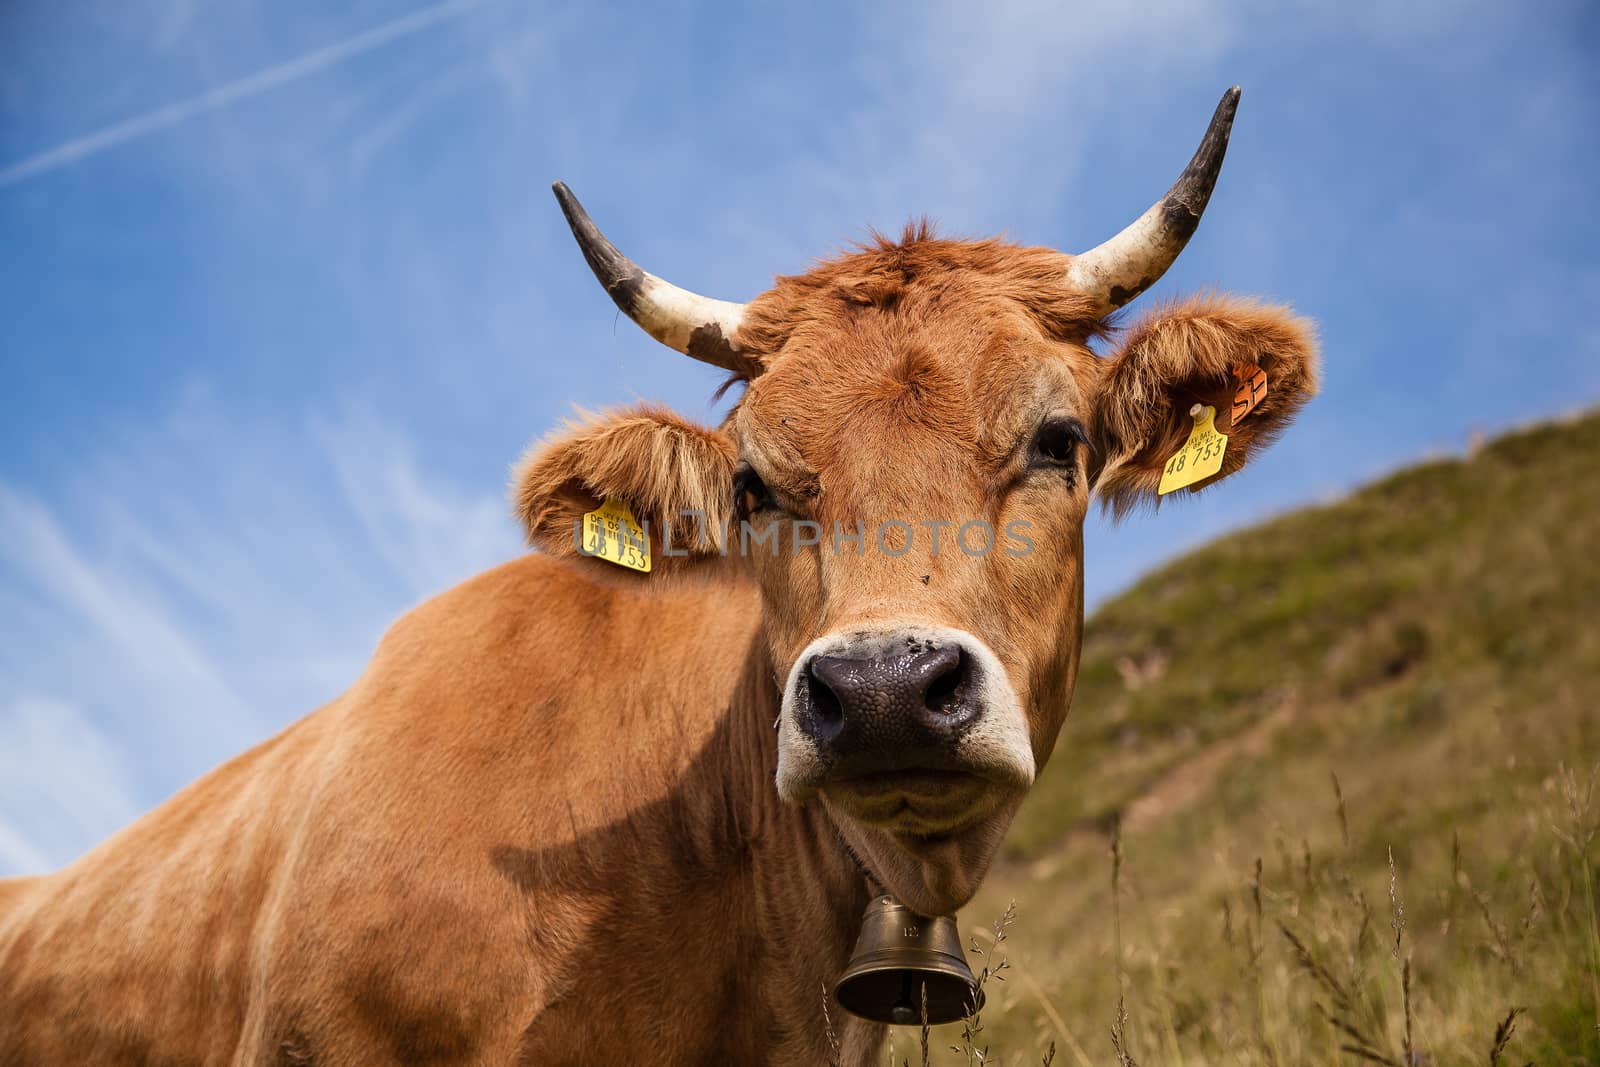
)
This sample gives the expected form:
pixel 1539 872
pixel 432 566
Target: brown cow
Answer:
pixel 574 814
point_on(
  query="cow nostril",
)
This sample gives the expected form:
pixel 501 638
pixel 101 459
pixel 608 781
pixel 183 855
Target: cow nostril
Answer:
pixel 825 704
pixel 947 692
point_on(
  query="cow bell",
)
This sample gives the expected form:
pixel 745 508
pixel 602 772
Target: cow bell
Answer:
pixel 900 959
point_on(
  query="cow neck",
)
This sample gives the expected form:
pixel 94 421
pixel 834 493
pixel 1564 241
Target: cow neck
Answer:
pixel 801 839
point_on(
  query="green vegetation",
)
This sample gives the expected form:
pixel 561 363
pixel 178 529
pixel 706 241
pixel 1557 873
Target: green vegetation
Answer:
pixel 1411 672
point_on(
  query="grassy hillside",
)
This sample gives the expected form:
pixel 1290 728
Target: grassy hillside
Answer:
pixel 1433 643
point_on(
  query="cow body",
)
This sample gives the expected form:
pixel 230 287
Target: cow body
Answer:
pixel 471 857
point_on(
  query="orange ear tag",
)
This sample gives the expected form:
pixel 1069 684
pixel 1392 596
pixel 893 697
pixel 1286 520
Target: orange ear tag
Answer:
pixel 1252 390
pixel 611 533
pixel 1201 455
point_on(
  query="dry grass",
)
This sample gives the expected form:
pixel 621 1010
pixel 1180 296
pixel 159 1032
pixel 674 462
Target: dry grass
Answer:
pixel 1330 988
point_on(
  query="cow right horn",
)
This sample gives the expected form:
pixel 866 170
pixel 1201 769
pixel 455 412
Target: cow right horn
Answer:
pixel 695 325
pixel 1115 271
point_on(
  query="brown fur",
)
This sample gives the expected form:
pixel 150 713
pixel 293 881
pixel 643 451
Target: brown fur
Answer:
pixel 541 828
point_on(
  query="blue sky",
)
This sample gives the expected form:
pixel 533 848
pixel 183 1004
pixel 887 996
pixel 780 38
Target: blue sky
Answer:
pixel 286 291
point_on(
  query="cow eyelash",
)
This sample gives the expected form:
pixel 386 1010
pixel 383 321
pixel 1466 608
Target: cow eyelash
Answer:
pixel 1056 444
pixel 750 493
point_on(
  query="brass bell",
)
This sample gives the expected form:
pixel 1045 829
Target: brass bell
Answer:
pixel 898 956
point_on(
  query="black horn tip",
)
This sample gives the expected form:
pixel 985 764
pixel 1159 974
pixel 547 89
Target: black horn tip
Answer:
pixel 1215 142
pixel 1187 199
pixel 577 218
pixel 1227 107
pixel 569 203
pixel 620 276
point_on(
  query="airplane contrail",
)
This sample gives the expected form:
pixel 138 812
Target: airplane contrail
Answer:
pixel 223 95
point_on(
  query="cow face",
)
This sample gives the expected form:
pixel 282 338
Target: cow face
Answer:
pixel 907 476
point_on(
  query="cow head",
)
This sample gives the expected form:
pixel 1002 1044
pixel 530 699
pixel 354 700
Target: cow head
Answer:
pixel 907 473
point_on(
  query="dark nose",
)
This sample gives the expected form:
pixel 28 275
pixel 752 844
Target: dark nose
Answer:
pixel 901 708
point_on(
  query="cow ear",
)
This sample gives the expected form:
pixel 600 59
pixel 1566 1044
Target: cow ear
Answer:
pixel 674 476
pixel 1204 350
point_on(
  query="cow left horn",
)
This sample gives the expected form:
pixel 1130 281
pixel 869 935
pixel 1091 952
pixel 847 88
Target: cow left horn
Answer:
pixel 695 325
pixel 1118 270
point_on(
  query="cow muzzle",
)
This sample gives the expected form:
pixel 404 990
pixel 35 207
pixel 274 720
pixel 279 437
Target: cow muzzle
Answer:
pixel 915 728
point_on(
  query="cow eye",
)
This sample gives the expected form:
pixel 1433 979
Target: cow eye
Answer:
pixel 750 493
pixel 1056 443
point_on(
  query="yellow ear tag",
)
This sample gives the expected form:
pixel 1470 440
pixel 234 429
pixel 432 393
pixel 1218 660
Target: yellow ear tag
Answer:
pixel 610 532
pixel 1201 455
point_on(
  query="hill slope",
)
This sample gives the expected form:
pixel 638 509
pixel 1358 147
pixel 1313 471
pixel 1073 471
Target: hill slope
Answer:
pixel 1434 642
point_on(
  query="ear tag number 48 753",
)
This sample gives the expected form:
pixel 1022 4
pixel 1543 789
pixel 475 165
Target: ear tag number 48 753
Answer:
pixel 1201 455
pixel 613 534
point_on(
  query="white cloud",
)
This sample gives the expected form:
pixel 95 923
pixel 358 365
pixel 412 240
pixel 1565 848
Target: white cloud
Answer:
pixel 62 784
pixel 430 535
pixel 203 582
pixel 18 855
pixel 989 105
pixel 128 628
pixel 229 93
